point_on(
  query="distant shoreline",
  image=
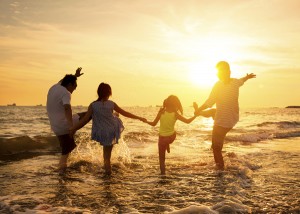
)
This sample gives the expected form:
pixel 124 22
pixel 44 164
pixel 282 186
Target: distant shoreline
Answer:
pixel 292 107
pixel 154 106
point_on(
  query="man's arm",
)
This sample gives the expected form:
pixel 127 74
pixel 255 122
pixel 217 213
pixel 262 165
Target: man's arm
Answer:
pixel 68 114
pixel 77 73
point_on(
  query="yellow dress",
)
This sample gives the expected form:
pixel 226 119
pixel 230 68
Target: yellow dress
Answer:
pixel 167 124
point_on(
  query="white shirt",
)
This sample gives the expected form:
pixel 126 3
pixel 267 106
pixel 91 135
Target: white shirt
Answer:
pixel 225 96
pixel 57 97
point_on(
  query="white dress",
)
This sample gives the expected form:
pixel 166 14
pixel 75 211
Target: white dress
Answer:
pixel 106 127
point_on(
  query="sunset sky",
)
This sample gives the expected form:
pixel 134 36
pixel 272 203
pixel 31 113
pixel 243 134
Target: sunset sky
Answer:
pixel 147 51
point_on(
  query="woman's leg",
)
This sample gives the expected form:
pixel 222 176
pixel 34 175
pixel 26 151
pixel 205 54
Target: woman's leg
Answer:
pixel 218 137
pixel 106 156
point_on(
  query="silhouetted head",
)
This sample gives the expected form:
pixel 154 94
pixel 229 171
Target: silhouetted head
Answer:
pixel 69 82
pixel 104 91
pixel 173 103
pixel 223 70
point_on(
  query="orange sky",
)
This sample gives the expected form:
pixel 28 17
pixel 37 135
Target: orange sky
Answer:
pixel 148 51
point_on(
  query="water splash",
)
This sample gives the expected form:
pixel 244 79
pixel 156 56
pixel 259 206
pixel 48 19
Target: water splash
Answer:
pixel 89 153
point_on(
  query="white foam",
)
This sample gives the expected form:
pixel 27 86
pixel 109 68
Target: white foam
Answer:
pixel 8 204
pixel 89 152
pixel 196 210
pixel 226 206
pixel 231 206
pixel 251 138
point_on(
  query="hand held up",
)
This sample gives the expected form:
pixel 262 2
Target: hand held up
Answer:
pixel 77 73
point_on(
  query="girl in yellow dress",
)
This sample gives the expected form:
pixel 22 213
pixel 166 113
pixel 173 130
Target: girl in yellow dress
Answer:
pixel 168 115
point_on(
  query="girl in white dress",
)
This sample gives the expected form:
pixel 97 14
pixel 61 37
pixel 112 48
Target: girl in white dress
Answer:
pixel 106 127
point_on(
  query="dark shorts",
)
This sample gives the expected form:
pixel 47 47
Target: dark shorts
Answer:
pixel 218 136
pixel 165 140
pixel 67 143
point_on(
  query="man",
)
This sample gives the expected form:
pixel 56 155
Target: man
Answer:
pixel 60 114
pixel 224 94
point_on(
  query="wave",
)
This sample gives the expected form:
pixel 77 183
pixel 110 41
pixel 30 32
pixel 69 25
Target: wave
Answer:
pixel 257 137
pixel 26 144
pixel 226 206
pixel 19 120
pixel 138 136
pixel 281 124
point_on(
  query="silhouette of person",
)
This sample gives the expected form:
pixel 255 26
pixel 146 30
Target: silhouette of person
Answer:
pixel 225 94
pixel 106 127
pixel 59 112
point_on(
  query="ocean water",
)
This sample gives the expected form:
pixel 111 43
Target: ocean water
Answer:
pixel 262 155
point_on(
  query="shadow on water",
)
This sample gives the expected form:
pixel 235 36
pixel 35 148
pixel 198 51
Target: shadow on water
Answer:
pixel 23 155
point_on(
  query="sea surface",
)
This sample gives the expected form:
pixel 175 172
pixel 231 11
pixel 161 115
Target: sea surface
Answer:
pixel 262 156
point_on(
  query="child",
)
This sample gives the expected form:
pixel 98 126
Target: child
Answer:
pixel 167 116
pixel 106 127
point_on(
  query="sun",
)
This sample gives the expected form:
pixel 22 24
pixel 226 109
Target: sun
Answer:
pixel 202 74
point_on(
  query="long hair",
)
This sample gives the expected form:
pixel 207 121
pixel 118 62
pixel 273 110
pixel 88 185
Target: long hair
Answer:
pixel 104 91
pixel 173 103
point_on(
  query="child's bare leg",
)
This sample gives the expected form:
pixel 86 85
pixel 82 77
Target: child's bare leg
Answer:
pixel 106 156
pixel 168 147
pixel 162 158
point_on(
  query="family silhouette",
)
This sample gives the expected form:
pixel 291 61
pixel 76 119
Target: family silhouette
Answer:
pixel 107 126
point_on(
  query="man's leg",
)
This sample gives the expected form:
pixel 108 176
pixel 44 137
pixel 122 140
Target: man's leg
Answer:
pixel 63 162
pixel 218 136
pixel 67 145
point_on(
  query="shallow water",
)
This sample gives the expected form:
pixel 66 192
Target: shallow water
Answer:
pixel 254 181
pixel 261 176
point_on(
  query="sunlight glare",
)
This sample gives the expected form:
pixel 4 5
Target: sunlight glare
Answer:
pixel 202 74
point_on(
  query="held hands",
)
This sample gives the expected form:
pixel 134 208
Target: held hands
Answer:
pixel 196 109
pixel 77 73
pixel 142 119
pixel 148 122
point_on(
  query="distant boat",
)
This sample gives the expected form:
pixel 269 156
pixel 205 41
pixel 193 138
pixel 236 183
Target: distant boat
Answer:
pixel 39 105
pixel 292 107
pixel 11 104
